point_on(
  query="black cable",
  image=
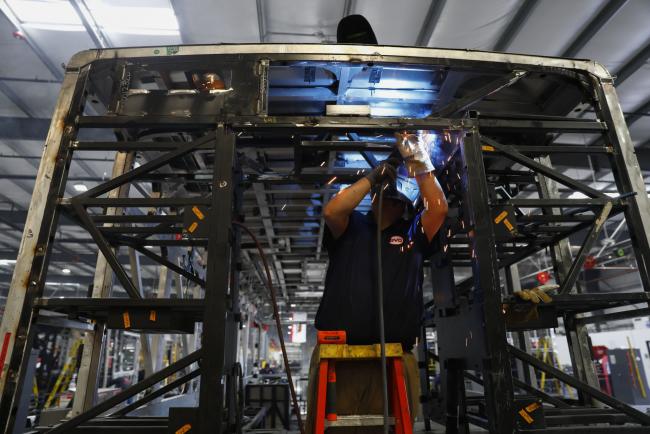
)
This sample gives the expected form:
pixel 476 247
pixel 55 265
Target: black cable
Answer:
pixel 274 303
pixel 380 291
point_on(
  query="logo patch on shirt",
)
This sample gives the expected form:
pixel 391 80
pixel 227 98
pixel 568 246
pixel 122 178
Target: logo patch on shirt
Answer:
pixel 396 240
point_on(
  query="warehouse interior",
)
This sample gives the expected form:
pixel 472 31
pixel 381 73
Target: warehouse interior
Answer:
pixel 150 83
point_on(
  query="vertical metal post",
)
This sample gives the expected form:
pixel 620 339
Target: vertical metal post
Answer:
pixel 35 248
pixel 88 376
pixel 628 176
pixel 521 339
pixel 233 316
pixel 219 249
pixel 577 336
pixel 487 293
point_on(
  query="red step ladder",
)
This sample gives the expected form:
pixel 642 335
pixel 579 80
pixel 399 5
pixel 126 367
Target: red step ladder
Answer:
pixel 332 347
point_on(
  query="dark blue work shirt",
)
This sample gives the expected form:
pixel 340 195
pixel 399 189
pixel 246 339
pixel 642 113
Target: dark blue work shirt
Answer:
pixel 350 299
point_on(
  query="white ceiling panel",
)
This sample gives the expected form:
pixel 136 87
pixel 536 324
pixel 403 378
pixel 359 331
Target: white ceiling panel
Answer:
pixel 635 90
pixel 286 19
pixel 473 24
pixel 24 63
pixel 8 108
pixel 60 46
pixel 15 193
pixel 392 21
pixel 217 21
pixel 552 25
pixel 39 97
pixel 621 37
pixel 640 130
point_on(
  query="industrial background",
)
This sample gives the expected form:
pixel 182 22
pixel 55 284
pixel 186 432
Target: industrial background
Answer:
pixel 38 38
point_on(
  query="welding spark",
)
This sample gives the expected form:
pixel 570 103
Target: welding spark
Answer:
pixel 444 249
pixel 385 187
pixel 331 181
pixel 449 233
pixel 283 207
pixel 374 195
pixel 322 164
pixel 458 175
pixel 383 169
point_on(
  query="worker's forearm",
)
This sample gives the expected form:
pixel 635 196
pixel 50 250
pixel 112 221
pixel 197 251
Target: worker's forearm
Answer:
pixel 435 203
pixel 344 202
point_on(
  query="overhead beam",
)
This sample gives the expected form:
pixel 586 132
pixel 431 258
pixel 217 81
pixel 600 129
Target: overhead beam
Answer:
pixel 632 66
pixel 261 19
pixel 348 7
pixel 23 128
pixel 515 25
pixel 603 16
pixel 430 21
pixel 17 100
pixel 99 38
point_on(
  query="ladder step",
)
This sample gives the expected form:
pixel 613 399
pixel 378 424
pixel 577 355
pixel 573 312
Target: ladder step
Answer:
pixel 358 420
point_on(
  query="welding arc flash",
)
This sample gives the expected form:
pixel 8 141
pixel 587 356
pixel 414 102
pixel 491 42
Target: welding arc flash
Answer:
pixel 331 180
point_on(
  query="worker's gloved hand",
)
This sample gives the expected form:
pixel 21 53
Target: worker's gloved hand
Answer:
pixel 414 148
pixel 384 171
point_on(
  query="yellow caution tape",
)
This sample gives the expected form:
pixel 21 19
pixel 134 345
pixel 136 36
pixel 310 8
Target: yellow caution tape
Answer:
pixel 532 407
pixel 185 428
pixel 525 416
pixel 500 217
pixel 198 212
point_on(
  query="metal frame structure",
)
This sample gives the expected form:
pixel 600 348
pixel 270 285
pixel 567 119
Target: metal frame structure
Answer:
pixel 472 317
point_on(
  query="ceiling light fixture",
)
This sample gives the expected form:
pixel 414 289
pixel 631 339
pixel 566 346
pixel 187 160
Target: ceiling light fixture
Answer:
pixel 65 271
pixel 80 187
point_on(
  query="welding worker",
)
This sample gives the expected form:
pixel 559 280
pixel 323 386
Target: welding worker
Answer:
pixel 350 301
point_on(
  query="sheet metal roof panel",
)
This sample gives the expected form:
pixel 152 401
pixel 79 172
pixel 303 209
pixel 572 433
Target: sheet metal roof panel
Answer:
pixel 217 21
pixel 60 45
pixel 622 36
pixel 635 90
pixel 394 22
pixel 479 29
pixel 24 63
pixel 39 97
pixel 552 26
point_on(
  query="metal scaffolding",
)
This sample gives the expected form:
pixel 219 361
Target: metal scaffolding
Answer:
pixel 194 146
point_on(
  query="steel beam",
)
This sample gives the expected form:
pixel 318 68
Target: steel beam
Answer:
pixel 430 21
pixel 88 376
pixel 604 15
pixel 99 38
pixel 590 390
pixel 515 25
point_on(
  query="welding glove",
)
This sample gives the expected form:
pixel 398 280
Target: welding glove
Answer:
pixel 384 171
pixel 537 294
pixel 414 148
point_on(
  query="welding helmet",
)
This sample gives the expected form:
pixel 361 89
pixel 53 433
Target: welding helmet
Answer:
pixel 404 189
